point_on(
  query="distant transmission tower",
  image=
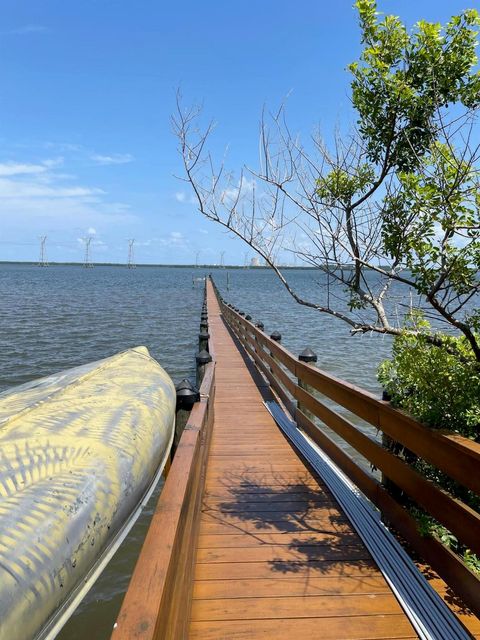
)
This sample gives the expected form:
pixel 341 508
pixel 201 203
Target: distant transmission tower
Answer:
pixel 87 261
pixel 131 254
pixel 197 258
pixel 42 261
pixel 245 261
pixel 222 259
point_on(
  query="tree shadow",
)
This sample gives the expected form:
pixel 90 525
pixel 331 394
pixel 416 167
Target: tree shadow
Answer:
pixel 301 521
pixel 450 597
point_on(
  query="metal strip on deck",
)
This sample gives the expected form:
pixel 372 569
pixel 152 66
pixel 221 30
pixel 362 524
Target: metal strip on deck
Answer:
pixel 429 614
pixel 276 555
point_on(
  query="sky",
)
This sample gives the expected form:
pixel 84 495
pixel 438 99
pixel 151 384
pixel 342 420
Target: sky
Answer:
pixel 88 88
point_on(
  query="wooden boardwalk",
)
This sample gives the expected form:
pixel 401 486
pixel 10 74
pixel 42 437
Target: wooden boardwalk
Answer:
pixel 247 542
pixel 275 557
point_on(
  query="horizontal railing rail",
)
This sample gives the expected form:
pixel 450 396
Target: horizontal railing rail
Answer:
pixel 158 600
pixel 299 385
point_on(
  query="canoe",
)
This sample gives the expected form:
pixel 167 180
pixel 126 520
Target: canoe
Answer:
pixel 80 453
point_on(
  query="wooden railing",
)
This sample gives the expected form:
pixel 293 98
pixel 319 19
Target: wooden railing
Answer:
pixel 300 386
pixel 158 600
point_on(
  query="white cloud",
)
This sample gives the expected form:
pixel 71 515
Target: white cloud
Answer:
pixel 183 197
pixel 53 162
pixel 29 189
pixel 115 158
pixel 91 231
pixel 28 28
pixel 62 146
pixel 33 195
pixel 174 239
pixel 20 168
pixel 243 188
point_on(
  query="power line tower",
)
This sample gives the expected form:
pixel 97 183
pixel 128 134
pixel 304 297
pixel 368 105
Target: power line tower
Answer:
pixel 87 261
pixel 42 261
pixel 222 259
pixel 245 260
pixel 197 258
pixel 131 254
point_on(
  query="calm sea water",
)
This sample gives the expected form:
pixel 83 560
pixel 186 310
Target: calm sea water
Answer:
pixel 56 318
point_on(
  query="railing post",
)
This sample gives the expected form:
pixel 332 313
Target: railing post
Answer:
pixel 187 396
pixel 394 447
pixel 203 358
pixel 258 346
pixel 277 337
pixel 307 355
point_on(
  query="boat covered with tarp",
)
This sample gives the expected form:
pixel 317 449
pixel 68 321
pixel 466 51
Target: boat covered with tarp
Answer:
pixel 80 453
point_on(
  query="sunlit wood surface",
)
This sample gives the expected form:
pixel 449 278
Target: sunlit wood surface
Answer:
pixel 276 557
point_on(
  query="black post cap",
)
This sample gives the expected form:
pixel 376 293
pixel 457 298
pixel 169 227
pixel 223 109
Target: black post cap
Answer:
pixel 276 336
pixel 308 355
pixel 187 394
pixel 204 335
pixel 203 357
pixel 260 326
pixel 248 317
pixel 203 325
pixel 242 313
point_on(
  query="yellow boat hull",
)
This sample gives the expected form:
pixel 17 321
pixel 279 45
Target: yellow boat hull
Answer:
pixel 79 454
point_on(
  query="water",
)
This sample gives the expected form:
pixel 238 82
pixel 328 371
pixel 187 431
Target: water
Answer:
pixel 56 318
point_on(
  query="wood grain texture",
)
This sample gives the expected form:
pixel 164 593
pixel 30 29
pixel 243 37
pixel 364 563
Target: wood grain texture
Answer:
pixel 270 531
pixel 457 456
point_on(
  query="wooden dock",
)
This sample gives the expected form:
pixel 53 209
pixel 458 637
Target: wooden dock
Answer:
pixel 275 556
pixel 255 546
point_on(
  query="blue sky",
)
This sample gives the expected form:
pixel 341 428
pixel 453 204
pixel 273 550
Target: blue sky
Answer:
pixel 86 94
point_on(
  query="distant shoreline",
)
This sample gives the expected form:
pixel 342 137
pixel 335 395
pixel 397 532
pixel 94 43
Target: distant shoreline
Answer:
pixel 172 266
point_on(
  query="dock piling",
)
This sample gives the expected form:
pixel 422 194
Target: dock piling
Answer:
pixel 187 395
pixel 203 338
pixel 202 358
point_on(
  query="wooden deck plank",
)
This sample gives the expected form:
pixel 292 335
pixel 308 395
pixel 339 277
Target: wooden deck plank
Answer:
pixel 218 526
pixel 288 587
pixel 305 569
pixel 240 540
pixel 282 557
pixel 372 627
pixel 279 522
pixel 265 608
